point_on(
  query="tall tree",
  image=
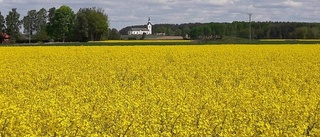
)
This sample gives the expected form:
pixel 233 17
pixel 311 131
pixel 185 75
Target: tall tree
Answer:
pixel 41 20
pixel 82 29
pixel 51 14
pixel 29 22
pixel 301 32
pixel 40 25
pixel 50 27
pixel 207 31
pixel 2 23
pixel 97 22
pixel 1 28
pixel 62 22
pixel 114 34
pixel 185 30
pixel 13 24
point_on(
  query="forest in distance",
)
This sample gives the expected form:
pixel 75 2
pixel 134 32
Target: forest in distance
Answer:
pixel 259 30
pixel 92 24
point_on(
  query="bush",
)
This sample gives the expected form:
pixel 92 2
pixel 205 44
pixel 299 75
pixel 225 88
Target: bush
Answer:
pixel 132 38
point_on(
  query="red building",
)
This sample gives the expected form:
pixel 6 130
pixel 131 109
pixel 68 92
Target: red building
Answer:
pixel 4 38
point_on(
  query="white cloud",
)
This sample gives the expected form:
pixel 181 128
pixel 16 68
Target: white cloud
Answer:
pixel 215 2
pixel 292 3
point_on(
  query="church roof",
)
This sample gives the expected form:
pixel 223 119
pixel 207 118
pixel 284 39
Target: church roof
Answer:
pixel 138 29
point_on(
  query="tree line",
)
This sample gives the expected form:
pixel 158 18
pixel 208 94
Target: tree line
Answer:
pixel 259 30
pixel 57 24
pixel 91 24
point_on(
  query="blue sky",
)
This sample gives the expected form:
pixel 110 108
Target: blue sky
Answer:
pixel 124 13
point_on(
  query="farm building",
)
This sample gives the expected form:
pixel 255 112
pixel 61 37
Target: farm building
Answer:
pixel 4 38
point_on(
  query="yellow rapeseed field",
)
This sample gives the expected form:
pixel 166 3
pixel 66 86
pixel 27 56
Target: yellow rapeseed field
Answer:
pixel 143 41
pixel 222 90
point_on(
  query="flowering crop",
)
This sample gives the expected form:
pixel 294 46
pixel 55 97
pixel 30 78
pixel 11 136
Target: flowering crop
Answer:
pixel 160 91
pixel 143 41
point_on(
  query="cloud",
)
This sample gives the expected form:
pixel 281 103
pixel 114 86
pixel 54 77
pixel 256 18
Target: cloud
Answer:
pixel 291 3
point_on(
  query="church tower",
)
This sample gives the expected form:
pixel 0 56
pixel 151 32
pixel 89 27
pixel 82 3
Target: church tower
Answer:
pixel 149 25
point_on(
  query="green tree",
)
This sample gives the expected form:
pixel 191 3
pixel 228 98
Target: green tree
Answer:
pixel 114 34
pixel 301 32
pixel 29 22
pixel 51 14
pixel 160 29
pixel 2 23
pixel 61 24
pixel 92 23
pixel 41 19
pixel 177 32
pixel 13 24
pixel 313 33
pixel 82 29
pixel 49 26
pixel 196 32
pixel 2 26
pixel 169 31
pixel 41 35
pixel 185 31
pixel 40 25
pixel 207 30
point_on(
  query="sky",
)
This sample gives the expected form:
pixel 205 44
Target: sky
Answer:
pixel 124 13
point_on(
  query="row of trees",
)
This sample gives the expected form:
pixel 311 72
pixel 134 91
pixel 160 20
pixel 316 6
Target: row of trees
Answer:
pixel 91 24
pixel 60 24
pixel 260 30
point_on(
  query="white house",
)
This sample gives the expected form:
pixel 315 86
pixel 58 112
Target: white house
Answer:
pixel 140 31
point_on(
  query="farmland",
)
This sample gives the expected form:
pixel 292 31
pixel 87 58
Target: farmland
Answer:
pixel 221 90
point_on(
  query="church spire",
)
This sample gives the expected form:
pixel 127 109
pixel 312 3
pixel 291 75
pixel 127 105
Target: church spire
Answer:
pixel 149 25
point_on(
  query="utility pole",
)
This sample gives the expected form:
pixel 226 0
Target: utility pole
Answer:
pixel 250 34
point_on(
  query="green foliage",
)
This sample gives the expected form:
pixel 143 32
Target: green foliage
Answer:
pixel 50 25
pixel 63 22
pixel 82 28
pixel 41 35
pixel 301 32
pixel 114 34
pixel 60 24
pixel 2 23
pixel 34 24
pixel 161 29
pixel 13 24
pixel 260 30
pixel 143 36
pixel 29 22
pixel 41 21
pixel 92 24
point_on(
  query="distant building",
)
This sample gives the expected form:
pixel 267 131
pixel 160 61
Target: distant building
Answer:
pixel 161 34
pixel 141 31
pixel 4 38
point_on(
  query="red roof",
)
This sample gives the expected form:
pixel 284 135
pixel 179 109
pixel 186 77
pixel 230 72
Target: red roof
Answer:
pixel 6 36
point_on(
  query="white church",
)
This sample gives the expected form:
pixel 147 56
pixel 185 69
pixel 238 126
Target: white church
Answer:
pixel 141 31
